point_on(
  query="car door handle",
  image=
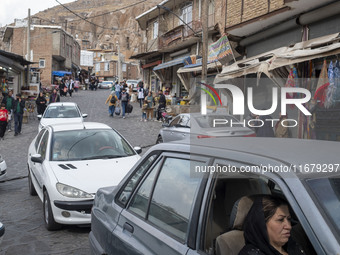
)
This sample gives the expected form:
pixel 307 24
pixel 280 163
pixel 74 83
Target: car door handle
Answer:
pixel 128 227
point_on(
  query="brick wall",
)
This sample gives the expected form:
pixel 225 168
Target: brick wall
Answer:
pixel 239 11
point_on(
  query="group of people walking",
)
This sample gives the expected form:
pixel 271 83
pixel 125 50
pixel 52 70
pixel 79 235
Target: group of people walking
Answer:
pixel 11 108
pixel 147 102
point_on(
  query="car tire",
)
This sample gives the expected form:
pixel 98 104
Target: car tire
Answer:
pixel 50 224
pixel 159 139
pixel 31 188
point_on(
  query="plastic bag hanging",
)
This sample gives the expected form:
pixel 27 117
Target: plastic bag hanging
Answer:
pixel 323 83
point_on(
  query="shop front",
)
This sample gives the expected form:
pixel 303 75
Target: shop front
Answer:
pixel 312 65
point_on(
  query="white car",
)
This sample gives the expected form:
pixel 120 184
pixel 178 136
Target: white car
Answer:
pixel 61 112
pixel 105 84
pixel 134 84
pixel 3 167
pixel 68 163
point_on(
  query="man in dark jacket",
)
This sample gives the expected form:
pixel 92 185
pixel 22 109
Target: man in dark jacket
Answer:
pixel 161 105
pixel 9 102
pixel 18 109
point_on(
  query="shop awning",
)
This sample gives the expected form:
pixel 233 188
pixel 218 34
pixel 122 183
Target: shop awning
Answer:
pixel 270 61
pixel 61 73
pixel 175 62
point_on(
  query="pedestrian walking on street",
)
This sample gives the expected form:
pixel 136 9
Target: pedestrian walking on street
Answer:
pixel 3 120
pixel 144 109
pixel 161 105
pixel 18 109
pixel 140 96
pixel 70 87
pixel 149 110
pixel 113 101
pixel 124 98
pixel 117 89
pixel 54 97
pixel 41 103
pixel 9 102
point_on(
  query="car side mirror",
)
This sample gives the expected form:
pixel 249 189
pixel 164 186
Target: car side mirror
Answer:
pixel 36 158
pixel 138 149
pixel 165 125
pixel 39 116
pixel 84 115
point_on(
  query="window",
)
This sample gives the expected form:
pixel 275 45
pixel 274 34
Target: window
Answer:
pixel 184 121
pixel 37 141
pixel 42 63
pixel 97 67
pixel 186 15
pixel 107 66
pixel 155 30
pixel 175 121
pixel 140 201
pixel 173 197
pixel 132 183
pixel 43 145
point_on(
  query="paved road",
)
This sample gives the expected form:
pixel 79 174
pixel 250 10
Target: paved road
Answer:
pixel 22 214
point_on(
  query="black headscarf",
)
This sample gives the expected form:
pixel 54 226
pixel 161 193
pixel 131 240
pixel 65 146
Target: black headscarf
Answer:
pixel 256 235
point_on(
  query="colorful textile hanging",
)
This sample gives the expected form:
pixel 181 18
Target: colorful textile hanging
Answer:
pixel 336 97
pixel 323 83
pixel 331 88
pixel 220 51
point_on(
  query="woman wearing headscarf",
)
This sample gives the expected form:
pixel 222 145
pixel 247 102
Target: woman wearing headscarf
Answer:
pixel 41 103
pixel 267 229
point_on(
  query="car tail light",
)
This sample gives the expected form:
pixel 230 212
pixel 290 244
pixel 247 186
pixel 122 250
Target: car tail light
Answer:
pixel 205 136
pixel 251 135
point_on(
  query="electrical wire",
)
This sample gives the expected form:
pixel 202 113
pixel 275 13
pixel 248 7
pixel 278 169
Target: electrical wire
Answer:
pixel 76 14
pixel 116 10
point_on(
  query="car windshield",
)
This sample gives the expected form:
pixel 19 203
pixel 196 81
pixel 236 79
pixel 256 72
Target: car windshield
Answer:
pixel 207 121
pixel 327 193
pixel 62 111
pixel 89 144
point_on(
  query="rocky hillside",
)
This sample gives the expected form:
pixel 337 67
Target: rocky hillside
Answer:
pixel 100 23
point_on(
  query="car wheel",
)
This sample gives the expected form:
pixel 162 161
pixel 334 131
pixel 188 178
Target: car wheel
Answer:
pixel 159 139
pixel 31 188
pixel 50 224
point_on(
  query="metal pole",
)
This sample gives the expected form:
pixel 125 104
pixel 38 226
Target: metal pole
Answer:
pixel 205 9
pixel 119 64
pixel 28 45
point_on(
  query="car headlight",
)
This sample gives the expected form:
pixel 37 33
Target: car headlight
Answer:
pixel 72 192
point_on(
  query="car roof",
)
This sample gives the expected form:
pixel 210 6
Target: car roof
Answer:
pixel 288 151
pixel 62 103
pixel 78 126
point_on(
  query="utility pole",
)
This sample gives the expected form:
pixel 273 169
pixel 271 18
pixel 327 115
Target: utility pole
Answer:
pixel 204 21
pixel 28 45
pixel 119 64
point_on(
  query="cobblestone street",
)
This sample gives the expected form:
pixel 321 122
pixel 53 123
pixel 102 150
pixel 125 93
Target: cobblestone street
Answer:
pixel 22 214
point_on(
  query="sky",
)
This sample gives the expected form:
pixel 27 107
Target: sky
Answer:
pixel 18 9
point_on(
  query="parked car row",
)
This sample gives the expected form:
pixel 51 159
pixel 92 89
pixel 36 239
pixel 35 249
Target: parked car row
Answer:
pixel 182 197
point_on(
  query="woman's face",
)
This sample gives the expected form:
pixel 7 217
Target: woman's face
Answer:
pixel 279 227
